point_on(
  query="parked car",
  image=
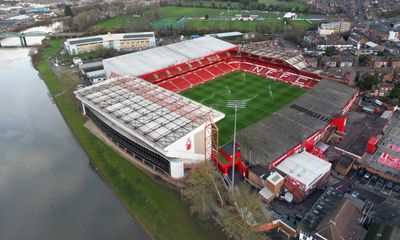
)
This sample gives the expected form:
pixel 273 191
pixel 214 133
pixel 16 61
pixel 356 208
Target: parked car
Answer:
pixel 355 194
pixel 396 188
pixel 365 178
pixel 389 184
pixel 361 172
pixel 374 178
pixel 382 181
pixel 378 186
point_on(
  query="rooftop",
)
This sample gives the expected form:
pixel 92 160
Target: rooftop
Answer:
pixel 151 60
pixel 334 24
pixel 109 37
pixel 361 127
pixel 293 57
pixel 304 167
pixel 341 222
pixel 145 111
pixel 273 136
pixel 387 156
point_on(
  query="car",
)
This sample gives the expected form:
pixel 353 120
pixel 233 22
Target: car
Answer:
pixel 361 172
pixel 374 178
pixel 389 184
pixel 378 186
pixel 364 180
pixel 382 181
pixel 355 194
pixel 396 188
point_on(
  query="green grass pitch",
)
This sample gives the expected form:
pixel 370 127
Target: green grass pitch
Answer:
pixel 264 96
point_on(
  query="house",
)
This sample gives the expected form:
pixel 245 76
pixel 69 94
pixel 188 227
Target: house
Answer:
pixel 341 223
pixel 312 61
pixel 345 61
pixel 395 62
pixel 333 217
pixel 328 62
pixel 382 89
pixel 378 62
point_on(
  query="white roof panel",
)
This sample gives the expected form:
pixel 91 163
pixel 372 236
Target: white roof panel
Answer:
pixel 305 168
pixel 146 111
pixel 151 60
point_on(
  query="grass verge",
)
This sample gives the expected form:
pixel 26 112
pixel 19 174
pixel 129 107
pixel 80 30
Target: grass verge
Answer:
pixel 159 209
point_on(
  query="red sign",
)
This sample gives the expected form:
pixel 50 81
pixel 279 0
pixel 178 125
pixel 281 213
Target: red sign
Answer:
pixel 188 144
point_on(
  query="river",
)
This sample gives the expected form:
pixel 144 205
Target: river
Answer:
pixel 47 188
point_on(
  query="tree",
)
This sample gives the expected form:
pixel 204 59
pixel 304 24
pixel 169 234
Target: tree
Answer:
pixel 369 81
pixel 203 188
pixel 362 59
pixel 240 224
pixel 395 93
pixel 330 51
pixel 206 17
pixel 68 11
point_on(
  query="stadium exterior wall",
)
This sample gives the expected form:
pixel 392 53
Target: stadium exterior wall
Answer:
pixel 172 167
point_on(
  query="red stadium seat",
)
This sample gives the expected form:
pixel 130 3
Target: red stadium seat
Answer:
pixel 193 79
pixel 215 70
pixel 180 83
pixel 205 75
pixel 195 64
pixel 168 85
pixel 225 67
pixel 150 78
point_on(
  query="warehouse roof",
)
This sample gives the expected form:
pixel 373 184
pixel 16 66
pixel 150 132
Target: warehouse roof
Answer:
pixel 304 167
pixel 273 136
pixel 151 60
pixel 153 114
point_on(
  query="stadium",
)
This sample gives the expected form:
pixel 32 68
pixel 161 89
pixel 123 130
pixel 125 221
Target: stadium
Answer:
pixel 166 106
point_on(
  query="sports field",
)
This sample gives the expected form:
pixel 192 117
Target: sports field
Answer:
pixel 263 96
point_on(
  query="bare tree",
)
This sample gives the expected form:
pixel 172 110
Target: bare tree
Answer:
pixel 203 188
pixel 240 224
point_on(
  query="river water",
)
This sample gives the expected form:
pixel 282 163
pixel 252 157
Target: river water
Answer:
pixel 47 188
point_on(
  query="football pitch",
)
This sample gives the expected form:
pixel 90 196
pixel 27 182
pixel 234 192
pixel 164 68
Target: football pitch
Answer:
pixel 263 97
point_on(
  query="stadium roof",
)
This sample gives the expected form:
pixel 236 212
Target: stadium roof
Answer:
pixel 273 136
pixel 291 56
pixel 148 112
pixel 151 60
pixel 305 168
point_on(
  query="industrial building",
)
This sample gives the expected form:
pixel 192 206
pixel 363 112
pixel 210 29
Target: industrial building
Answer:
pixel 116 41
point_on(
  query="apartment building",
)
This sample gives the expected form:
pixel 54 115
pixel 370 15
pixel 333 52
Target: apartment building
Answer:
pixel 117 41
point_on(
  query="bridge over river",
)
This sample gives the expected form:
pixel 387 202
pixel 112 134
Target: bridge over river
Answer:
pixel 23 35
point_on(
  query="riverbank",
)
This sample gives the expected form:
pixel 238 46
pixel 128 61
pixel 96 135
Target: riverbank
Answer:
pixel 158 209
